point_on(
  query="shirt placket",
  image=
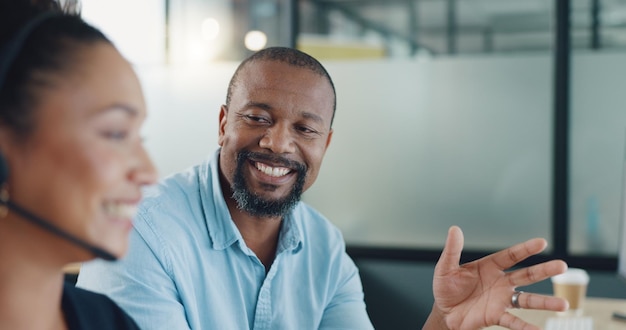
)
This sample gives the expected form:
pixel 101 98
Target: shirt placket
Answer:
pixel 263 313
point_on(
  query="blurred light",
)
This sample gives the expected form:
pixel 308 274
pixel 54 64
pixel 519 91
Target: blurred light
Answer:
pixel 196 51
pixel 255 40
pixel 210 29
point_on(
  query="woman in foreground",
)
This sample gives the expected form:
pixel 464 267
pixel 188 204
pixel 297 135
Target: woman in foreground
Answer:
pixel 72 164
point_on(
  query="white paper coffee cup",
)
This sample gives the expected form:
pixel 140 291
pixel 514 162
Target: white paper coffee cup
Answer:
pixel 572 285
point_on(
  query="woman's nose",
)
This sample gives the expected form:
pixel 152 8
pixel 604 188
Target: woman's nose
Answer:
pixel 144 171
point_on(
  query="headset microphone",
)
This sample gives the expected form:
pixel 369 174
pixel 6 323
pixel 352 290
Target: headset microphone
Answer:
pixel 47 225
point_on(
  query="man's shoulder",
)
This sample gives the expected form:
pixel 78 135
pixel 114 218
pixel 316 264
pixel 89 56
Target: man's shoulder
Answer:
pixel 175 203
pixel 313 222
pixel 322 245
pixel 176 188
pixel 183 182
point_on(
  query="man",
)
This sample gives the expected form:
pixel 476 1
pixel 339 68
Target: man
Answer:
pixel 228 245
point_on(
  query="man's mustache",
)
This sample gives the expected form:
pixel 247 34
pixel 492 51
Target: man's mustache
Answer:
pixel 273 159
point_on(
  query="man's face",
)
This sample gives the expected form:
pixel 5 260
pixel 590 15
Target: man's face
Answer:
pixel 274 135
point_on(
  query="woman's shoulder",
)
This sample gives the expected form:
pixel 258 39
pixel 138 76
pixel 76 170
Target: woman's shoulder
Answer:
pixel 84 309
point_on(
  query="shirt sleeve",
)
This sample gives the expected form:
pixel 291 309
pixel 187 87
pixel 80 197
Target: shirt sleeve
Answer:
pixel 346 309
pixel 139 283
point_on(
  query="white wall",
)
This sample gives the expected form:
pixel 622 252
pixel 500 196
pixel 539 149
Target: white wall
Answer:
pixel 136 27
pixel 183 102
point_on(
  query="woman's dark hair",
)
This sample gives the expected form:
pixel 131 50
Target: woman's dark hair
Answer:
pixel 39 39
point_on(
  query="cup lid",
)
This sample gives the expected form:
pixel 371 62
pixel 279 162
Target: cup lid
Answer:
pixel 572 276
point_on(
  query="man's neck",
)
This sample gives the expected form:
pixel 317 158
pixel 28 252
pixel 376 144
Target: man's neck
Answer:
pixel 260 234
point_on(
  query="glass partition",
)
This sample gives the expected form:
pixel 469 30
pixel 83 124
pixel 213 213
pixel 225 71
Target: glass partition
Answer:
pixel 598 127
pixel 444 117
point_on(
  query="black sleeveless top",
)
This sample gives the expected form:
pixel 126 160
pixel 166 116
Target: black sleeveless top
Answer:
pixel 94 311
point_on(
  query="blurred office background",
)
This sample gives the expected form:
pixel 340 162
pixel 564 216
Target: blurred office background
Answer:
pixel 505 117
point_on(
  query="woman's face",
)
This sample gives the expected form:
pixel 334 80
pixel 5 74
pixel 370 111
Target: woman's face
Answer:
pixel 84 164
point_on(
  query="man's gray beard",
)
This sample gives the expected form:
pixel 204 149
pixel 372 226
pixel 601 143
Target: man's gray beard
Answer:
pixel 257 206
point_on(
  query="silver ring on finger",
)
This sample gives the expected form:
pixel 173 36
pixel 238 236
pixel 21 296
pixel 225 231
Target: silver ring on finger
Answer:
pixel 515 299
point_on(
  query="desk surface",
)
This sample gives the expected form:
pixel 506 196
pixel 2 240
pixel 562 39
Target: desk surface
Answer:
pixel 600 309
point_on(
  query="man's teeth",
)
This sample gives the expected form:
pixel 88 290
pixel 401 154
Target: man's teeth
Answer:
pixel 120 210
pixel 272 171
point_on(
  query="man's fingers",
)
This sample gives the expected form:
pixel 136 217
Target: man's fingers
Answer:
pixel 513 322
pixel 536 301
pixel 536 273
pixel 451 254
pixel 507 258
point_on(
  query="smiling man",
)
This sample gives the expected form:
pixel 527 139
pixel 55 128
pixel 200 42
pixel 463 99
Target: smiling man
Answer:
pixel 227 244
pixel 274 131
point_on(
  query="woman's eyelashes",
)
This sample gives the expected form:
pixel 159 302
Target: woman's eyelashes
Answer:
pixel 115 135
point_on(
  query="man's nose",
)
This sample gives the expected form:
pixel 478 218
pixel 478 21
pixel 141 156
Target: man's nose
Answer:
pixel 279 139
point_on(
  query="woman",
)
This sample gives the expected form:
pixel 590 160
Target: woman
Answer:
pixel 70 113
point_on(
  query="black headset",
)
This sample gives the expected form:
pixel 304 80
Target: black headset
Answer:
pixel 4 169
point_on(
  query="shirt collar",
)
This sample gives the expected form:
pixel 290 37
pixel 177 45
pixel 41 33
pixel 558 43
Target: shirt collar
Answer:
pixel 222 229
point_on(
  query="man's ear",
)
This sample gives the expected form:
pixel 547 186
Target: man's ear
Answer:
pixel 330 137
pixel 222 126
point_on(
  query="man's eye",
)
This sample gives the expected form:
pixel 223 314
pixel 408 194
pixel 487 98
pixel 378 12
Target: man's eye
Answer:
pixel 257 119
pixel 306 130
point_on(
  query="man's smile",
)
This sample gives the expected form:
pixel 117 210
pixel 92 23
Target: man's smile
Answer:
pixel 272 171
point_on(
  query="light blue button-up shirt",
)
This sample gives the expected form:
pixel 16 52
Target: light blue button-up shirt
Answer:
pixel 188 266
